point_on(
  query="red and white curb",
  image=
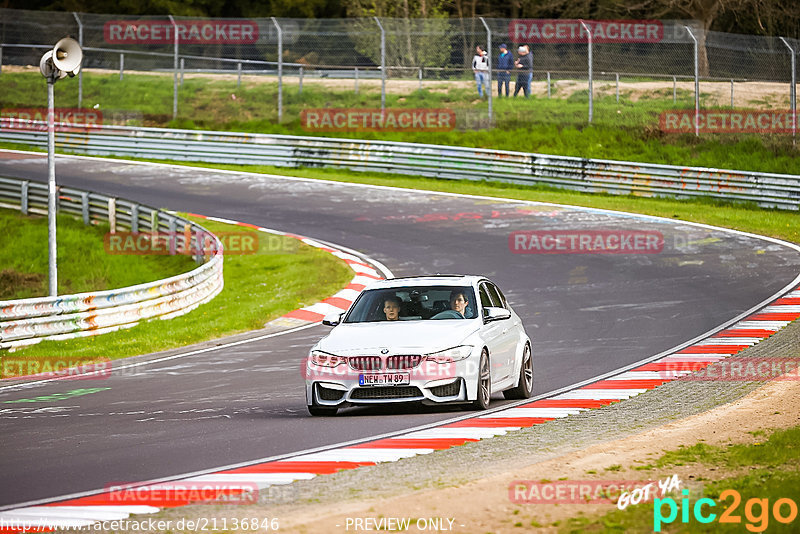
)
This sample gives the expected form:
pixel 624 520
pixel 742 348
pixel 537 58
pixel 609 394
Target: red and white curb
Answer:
pixel 228 483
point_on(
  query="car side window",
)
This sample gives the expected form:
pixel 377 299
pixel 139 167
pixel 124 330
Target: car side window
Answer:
pixel 497 296
pixel 486 299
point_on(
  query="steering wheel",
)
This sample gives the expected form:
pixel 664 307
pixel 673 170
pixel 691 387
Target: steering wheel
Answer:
pixel 448 314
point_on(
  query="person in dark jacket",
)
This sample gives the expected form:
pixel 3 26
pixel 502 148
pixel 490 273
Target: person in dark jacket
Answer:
pixel 504 65
pixel 524 65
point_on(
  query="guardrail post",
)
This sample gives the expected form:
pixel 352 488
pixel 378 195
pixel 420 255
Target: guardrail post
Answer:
pixel 134 218
pixel 548 85
pixel 489 54
pixel 420 78
pixel 87 216
pixel 696 84
pixel 591 89
pixel 731 93
pixel 300 89
pixel 112 215
pixel 175 69
pixel 355 74
pixel 154 221
pixel 80 73
pixel 238 74
pixel 280 68
pixel 183 65
pixel 121 66
pixel 198 246
pixel 23 202
pixel 172 237
pixel 383 64
pixel 793 90
pixel 617 77
pixel 1 60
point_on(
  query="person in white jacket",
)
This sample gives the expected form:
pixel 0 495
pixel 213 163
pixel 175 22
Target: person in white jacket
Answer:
pixel 480 66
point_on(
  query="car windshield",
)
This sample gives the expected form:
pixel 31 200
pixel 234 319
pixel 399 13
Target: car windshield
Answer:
pixel 414 304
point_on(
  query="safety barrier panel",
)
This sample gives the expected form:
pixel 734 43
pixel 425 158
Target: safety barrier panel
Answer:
pixel 28 321
pixel 436 161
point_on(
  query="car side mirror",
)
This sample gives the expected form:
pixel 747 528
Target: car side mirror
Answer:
pixel 332 319
pixel 490 313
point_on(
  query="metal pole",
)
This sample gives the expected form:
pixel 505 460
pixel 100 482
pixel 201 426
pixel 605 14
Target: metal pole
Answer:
pixel 182 68
pixel 696 84
pixel 383 64
pixel 489 54
pixel 238 74
pixel 548 85
pixel 674 89
pixel 300 89
pixel 280 68
pixel 355 73
pixel 793 90
pixel 420 78
pixel 174 69
pixel 731 93
pixel 1 59
pixel 591 88
pixel 52 192
pixel 617 76
pixel 80 74
pixel 121 66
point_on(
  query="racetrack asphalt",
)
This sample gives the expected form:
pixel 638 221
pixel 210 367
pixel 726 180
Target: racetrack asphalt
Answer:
pixel 586 313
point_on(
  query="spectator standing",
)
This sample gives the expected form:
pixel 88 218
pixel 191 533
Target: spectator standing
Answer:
pixel 524 65
pixel 504 65
pixel 480 66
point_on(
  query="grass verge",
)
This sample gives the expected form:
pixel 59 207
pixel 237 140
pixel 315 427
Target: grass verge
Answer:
pixel 624 130
pixel 284 275
pixel 772 468
pixel 83 263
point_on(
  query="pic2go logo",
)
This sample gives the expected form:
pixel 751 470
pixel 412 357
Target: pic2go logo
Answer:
pixel 756 511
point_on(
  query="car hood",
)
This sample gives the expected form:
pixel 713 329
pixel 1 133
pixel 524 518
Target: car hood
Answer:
pixel 400 337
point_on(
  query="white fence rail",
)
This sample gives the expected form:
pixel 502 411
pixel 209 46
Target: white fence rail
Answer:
pixel 28 321
pixel 581 174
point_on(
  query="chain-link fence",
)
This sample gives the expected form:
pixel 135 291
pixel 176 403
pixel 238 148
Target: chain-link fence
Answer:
pixel 333 74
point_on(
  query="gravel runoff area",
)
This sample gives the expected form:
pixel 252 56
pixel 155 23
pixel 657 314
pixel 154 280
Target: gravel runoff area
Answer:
pixel 410 487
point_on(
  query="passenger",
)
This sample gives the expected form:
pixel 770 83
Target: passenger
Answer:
pixel 459 302
pixel 391 307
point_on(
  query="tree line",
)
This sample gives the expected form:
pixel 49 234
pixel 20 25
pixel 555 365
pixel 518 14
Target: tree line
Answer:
pixel 753 17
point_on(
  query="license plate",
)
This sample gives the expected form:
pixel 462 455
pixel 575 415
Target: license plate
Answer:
pixel 384 379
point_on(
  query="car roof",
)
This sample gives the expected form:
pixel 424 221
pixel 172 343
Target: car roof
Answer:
pixel 427 280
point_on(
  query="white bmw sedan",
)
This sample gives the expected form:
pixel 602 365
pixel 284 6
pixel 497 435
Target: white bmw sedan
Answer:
pixel 443 339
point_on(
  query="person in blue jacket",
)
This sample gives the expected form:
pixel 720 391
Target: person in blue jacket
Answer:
pixel 505 63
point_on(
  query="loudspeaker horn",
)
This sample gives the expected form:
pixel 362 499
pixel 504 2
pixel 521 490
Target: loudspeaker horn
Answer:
pixel 67 56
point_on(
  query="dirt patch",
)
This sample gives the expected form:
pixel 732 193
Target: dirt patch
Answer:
pixel 13 283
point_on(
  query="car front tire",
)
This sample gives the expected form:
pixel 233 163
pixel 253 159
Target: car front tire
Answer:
pixel 525 387
pixel 322 411
pixel 484 383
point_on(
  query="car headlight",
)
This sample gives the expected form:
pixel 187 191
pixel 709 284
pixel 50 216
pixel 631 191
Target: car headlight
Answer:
pixel 450 355
pixel 326 360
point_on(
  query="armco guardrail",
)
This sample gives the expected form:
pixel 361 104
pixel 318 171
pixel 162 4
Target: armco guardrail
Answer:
pixel 582 174
pixel 28 321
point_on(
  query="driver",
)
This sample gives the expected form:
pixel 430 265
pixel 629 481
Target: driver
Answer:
pixel 391 307
pixel 459 302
